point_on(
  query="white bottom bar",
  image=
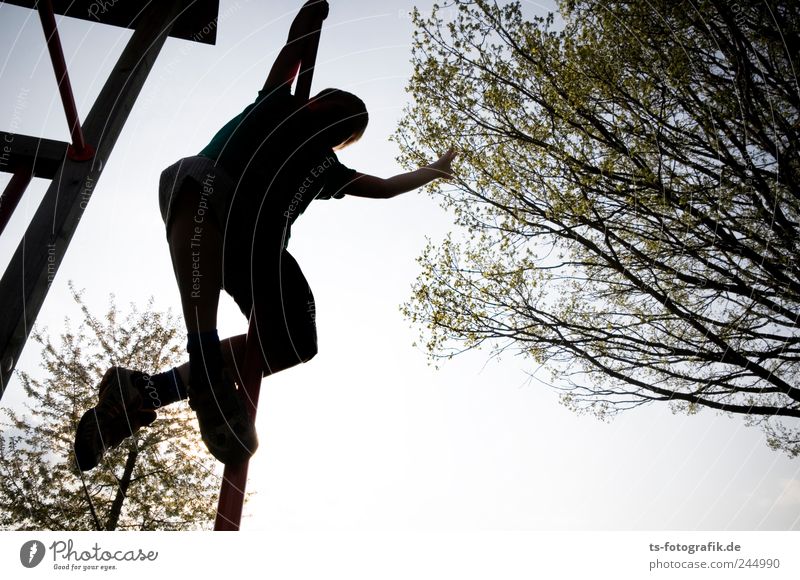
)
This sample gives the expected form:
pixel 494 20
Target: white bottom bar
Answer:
pixel 388 555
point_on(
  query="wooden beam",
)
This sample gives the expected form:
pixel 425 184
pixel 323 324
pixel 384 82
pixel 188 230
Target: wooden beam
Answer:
pixel 197 21
pixel 27 279
pixel 25 153
pixel 11 196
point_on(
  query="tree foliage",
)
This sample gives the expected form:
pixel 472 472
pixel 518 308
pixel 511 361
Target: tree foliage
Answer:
pixel 156 480
pixel 629 193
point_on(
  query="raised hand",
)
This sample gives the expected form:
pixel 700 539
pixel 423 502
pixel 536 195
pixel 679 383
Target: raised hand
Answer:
pixel 319 7
pixel 443 165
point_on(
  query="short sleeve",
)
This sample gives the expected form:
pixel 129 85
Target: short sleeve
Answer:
pixel 239 137
pixel 335 177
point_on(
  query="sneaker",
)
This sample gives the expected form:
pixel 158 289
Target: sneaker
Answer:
pixel 225 425
pixel 118 415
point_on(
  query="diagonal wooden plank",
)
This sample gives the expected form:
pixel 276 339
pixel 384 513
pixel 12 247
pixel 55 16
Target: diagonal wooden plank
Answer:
pixel 25 282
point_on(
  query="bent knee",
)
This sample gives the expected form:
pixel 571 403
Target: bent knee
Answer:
pixel 305 350
pixel 310 351
pixel 277 360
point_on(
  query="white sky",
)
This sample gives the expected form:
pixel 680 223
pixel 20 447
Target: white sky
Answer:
pixel 367 435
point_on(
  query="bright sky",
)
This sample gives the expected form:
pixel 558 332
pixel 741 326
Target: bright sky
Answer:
pixel 367 435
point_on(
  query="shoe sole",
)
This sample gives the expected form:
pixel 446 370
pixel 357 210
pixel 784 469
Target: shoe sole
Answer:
pixel 234 440
pixel 89 446
pixel 88 427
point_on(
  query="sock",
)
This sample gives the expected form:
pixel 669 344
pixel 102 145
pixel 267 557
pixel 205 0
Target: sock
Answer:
pixel 205 357
pixel 162 389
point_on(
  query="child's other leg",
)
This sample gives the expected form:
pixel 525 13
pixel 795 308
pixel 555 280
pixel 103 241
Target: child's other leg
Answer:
pixel 232 355
pixel 169 386
pixel 279 355
pixel 285 314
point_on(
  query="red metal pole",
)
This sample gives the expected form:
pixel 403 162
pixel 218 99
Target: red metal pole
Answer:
pixel 11 196
pixel 79 150
pixel 303 88
pixel 234 480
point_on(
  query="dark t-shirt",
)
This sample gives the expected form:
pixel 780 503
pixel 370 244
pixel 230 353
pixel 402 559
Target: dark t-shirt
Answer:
pixel 272 151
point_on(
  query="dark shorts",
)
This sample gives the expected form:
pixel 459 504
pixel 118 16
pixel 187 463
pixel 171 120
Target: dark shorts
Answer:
pixel 207 179
pixel 272 282
pixel 258 271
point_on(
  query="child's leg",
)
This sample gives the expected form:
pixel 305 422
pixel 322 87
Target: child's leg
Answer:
pixel 195 242
pixel 233 349
pixel 128 398
pixel 232 355
pixel 284 309
pixel 195 245
pixel 169 387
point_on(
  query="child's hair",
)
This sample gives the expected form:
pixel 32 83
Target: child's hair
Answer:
pixel 342 115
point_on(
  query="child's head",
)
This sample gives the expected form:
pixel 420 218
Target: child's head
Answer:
pixel 341 116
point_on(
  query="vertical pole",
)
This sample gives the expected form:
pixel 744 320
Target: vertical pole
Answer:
pixel 33 266
pixel 303 88
pixel 234 480
pixel 11 196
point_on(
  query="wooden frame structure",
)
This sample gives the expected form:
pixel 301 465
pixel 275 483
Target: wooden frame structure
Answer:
pixel 76 167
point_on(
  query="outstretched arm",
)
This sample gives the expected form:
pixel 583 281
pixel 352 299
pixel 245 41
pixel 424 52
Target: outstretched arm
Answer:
pixel 287 64
pixel 378 188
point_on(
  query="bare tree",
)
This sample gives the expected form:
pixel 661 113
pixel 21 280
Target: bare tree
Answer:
pixel 629 196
